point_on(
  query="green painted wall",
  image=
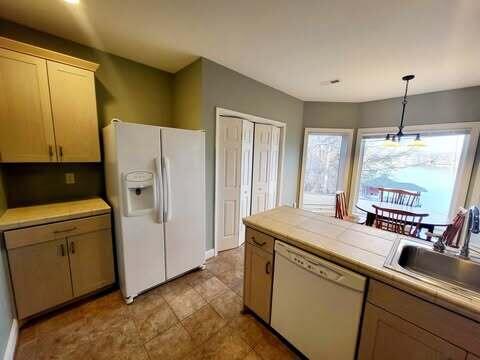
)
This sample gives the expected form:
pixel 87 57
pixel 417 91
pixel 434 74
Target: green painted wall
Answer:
pixel 6 315
pixel 221 87
pixel 187 97
pixel 125 89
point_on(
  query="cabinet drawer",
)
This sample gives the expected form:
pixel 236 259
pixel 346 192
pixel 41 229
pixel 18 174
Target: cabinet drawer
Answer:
pixel 38 234
pixel 263 241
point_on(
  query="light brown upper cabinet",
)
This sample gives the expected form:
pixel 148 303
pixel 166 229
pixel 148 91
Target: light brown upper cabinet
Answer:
pixel 26 128
pixel 74 108
pixel 48 109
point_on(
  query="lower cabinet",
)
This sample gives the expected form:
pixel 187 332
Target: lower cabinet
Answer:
pixel 55 263
pixel 91 261
pixel 258 275
pixel 386 336
pixel 40 276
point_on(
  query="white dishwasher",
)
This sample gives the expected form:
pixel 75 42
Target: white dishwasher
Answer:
pixel 316 305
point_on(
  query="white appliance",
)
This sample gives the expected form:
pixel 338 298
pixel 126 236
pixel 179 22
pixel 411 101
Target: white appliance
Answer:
pixel 155 180
pixel 316 305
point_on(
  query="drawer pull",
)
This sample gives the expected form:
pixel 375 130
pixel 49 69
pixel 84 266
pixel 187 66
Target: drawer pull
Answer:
pixel 258 243
pixel 62 250
pixel 72 247
pixel 267 267
pixel 64 231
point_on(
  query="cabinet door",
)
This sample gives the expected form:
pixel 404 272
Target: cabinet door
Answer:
pixel 246 176
pixel 91 261
pixel 26 129
pixel 386 336
pixel 74 113
pixel 258 281
pixel 262 148
pixel 472 357
pixel 40 276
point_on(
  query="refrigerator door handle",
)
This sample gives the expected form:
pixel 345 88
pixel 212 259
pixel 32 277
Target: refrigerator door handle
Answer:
pixel 168 190
pixel 159 189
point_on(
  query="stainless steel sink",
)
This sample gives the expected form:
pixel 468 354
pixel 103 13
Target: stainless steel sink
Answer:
pixel 446 270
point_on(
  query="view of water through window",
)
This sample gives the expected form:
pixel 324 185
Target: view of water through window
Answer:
pixel 431 169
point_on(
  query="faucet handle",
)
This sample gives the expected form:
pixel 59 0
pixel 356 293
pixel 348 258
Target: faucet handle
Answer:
pixel 475 224
pixel 439 245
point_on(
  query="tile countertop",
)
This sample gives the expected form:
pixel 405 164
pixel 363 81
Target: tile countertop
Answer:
pixel 358 247
pixel 20 217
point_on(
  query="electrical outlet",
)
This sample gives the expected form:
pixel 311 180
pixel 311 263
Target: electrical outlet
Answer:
pixel 69 178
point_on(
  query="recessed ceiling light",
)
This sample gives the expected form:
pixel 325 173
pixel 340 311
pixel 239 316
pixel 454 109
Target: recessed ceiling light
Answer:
pixel 72 1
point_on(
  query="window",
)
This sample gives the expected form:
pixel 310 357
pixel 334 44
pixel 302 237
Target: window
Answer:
pixel 440 170
pixel 325 167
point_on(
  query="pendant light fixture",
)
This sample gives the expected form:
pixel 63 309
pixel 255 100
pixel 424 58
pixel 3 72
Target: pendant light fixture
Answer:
pixel 393 140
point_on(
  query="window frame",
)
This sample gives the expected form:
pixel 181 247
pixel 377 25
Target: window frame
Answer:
pixel 465 170
pixel 346 159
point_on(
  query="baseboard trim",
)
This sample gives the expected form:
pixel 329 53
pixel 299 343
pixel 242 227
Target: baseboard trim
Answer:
pixel 12 341
pixel 209 254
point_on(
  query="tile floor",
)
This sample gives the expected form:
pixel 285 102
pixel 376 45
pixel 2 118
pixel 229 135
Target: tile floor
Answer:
pixel 197 316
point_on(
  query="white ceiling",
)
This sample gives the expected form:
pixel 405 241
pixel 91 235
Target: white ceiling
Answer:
pixel 292 45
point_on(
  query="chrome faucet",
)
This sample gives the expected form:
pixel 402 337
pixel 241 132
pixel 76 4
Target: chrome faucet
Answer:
pixel 473 226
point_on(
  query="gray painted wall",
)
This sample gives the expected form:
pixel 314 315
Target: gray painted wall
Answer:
pixel 459 105
pixel 331 115
pixel 6 315
pixel 226 88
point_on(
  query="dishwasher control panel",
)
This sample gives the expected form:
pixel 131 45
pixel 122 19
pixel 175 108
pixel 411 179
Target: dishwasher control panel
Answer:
pixel 313 266
pixel 319 266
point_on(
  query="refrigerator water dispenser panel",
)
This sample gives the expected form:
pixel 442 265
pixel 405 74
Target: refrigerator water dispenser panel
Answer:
pixel 140 193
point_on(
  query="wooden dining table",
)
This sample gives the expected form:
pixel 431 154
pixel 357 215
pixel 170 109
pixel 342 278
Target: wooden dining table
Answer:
pixel 429 222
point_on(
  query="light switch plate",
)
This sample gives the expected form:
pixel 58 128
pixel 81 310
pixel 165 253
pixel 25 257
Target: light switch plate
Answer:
pixel 69 178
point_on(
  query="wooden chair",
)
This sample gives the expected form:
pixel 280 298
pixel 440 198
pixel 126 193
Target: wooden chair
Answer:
pixel 399 196
pixel 341 209
pixel 398 221
pixel 451 235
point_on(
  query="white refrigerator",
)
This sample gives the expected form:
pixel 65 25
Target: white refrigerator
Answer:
pixel 155 179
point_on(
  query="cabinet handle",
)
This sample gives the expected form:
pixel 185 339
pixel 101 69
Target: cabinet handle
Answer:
pixel 258 243
pixel 267 267
pixel 72 247
pixel 60 151
pixel 66 230
pixel 62 250
pixel 50 151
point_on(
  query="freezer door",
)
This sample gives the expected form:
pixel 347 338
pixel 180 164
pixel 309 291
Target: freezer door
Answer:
pixel 183 155
pixel 140 239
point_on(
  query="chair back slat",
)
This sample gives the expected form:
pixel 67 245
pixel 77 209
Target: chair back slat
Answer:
pixel 341 211
pixel 398 221
pixel 399 196
pixel 452 233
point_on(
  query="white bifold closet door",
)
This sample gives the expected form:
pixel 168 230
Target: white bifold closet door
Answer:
pixel 265 167
pixel 273 168
pixel 246 174
pixel 229 178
